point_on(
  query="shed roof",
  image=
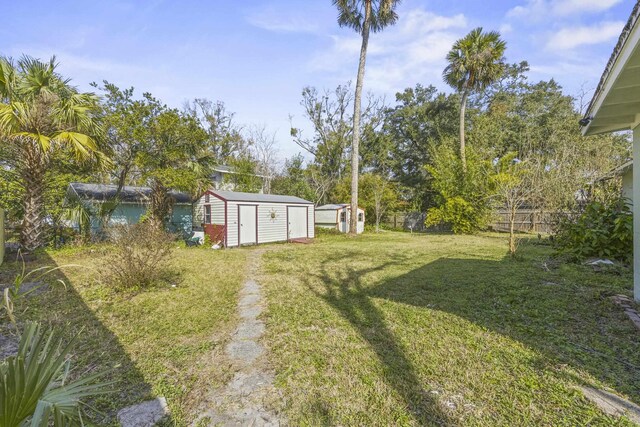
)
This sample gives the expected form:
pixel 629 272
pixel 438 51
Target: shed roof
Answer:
pixel 332 207
pixel 616 101
pixel 335 206
pixel 129 194
pixel 237 196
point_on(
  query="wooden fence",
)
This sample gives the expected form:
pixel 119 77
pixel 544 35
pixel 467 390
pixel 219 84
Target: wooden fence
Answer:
pixel 527 220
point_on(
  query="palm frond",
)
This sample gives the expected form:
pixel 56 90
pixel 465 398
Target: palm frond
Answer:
pixel 81 144
pixel 43 141
pixel 475 61
pixel 33 384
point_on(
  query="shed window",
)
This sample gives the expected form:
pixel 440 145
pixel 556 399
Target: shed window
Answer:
pixel 206 198
pixel 343 217
pixel 207 214
pixel 360 217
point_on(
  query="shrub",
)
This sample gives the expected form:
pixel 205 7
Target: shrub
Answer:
pixel 460 214
pixel 463 200
pixel 602 229
pixel 138 257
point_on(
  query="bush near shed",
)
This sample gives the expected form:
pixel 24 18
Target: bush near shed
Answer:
pixel 138 257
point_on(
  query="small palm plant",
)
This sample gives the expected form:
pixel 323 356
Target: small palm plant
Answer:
pixel 34 385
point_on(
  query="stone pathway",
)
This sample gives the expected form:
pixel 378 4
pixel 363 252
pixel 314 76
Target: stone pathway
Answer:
pixel 244 401
pixel 611 404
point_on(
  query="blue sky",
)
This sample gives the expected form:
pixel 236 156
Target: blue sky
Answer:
pixel 256 56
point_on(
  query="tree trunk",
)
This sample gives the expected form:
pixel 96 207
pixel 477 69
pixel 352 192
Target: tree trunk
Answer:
pixel 512 236
pixel 355 147
pixel 32 233
pixel 463 109
pixel 160 206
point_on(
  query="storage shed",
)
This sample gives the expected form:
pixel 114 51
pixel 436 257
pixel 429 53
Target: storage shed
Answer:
pixel 235 219
pixel 133 204
pixel 338 216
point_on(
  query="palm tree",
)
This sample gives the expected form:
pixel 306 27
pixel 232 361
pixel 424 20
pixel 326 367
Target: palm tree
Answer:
pixel 475 62
pixel 363 16
pixel 40 113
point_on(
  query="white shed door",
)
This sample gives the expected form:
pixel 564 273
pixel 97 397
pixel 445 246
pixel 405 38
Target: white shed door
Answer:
pixel 248 226
pixel 297 227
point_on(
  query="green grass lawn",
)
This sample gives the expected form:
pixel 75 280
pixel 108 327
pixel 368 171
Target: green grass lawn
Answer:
pixel 162 341
pixel 400 329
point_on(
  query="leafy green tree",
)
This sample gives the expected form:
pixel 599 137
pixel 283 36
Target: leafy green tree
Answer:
pixel 421 121
pixel 127 122
pixel 156 146
pixel 245 174
pixel 537 121
pixel 41 113
pixel 475 61
pixel 464 198
pixel 363 16
pixel 294 180
pixel 173 157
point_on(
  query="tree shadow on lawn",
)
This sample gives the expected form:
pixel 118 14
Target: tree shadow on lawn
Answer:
pixel 96 348
pixel 345 293
pixel 568 323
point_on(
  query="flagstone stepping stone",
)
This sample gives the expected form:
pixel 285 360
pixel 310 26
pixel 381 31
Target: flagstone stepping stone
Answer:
pixel 611 404
pixel 145 414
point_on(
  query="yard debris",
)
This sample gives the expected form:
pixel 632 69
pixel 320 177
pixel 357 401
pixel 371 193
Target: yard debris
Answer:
pixel 145 414
pixel 600 262
pixel 612 404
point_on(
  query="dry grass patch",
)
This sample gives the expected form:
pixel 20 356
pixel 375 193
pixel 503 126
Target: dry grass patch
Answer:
pixel 162 340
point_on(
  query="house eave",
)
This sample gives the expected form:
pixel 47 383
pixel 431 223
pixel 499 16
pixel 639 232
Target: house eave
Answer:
pixel 616 102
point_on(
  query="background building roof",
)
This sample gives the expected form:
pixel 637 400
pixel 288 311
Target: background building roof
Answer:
pixel 129 194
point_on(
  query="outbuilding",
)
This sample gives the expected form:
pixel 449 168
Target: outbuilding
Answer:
pixel 132 205
pixel 337 216
pixel 234 218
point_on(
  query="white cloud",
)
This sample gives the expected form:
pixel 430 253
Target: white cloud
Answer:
pixel 572 37
pixel 506 28
pixel 271 19
pixel 413 50
pixel 540 9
